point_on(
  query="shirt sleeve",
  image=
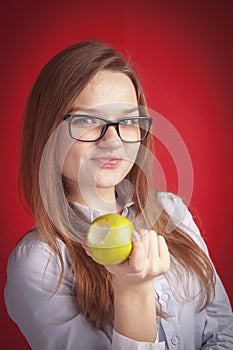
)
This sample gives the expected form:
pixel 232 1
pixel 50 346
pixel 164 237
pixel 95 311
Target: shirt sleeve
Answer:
pixel 48 318
pixel 218 329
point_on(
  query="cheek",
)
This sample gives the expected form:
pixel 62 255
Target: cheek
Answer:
pixel 71 163
pixel 131 152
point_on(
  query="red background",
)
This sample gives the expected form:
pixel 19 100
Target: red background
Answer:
pixel 183 53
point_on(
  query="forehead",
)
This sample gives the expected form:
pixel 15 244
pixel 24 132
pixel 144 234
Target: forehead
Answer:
pixel 107 91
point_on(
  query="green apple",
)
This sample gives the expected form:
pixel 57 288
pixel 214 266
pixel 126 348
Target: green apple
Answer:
pixel 109 239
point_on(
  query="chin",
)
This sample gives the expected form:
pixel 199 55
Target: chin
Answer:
pixel 106 184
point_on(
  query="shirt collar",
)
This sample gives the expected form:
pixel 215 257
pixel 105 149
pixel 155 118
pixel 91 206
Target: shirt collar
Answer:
pixel 90 214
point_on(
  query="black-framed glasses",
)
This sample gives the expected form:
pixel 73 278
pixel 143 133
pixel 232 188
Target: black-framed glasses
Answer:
pixel 86 128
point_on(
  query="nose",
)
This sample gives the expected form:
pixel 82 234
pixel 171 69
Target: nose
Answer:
pixel 111 139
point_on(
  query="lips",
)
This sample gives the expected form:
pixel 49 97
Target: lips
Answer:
pixel 107 162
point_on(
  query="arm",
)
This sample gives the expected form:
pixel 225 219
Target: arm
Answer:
pixel 135 310
pixel 51 320
pixel 217 332
pixel 48 320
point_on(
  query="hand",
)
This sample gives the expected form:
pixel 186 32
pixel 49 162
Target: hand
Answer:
pixel 149 258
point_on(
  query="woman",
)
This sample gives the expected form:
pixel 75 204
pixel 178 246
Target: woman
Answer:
pixel 86 150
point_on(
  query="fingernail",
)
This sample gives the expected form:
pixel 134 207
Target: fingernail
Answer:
pixel 136 236
pixel 144 232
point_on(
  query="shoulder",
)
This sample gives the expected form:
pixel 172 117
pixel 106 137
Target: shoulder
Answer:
pixel 30 247
pixel 32 244
pixel 173 205
pixel 34 261
pixel 169 201
pixel 180 216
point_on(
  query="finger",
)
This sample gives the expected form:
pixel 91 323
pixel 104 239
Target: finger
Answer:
pixel 139 253
pixel 138 234
pixel 163 253
pixel 145 238
pixel 153 249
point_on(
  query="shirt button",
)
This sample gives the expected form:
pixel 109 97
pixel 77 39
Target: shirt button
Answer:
pixel 174 340
pixel 165 297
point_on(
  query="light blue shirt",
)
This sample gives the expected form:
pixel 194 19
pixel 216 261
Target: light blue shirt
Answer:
pixel 52 321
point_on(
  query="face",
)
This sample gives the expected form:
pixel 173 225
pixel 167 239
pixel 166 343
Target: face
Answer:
pixel 95 168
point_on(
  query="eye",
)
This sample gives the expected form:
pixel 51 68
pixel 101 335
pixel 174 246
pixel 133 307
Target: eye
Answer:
pixel 130 121
pixel 84 121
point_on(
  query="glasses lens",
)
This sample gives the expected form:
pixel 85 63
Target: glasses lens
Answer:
pixel 86 128
pixel 134 129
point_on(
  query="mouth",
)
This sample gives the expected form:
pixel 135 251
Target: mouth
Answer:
pixel 107 162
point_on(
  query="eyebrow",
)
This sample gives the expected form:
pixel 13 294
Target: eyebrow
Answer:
pixel 98 111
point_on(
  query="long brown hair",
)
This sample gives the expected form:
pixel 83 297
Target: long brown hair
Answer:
pixel 51 97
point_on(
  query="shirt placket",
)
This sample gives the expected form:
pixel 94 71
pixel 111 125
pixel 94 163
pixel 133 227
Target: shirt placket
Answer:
pixel 169 325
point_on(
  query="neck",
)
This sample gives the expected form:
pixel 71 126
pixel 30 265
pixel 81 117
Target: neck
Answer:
pixel 101 199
